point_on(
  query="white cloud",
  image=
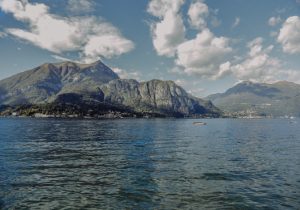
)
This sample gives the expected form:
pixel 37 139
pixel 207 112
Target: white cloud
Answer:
pixel 107 45
pixel 198 92
pixel 289 35
pixel 224 70
pixel 197 13
pixel 87 35
pixel 258 65
pixel 181 82
pixel 236 22
pixel 61 58
pixel 191 87
pixel 203 55
pixel 169 32
pixel 290 75
pixel 80 6
pixel 206 56
pixel 159 8
pixel 273 21
pixel 124 74
pixel 210 56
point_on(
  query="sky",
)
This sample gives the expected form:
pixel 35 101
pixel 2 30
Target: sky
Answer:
pixel 205 46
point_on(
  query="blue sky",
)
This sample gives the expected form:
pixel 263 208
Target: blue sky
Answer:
pixel 205 46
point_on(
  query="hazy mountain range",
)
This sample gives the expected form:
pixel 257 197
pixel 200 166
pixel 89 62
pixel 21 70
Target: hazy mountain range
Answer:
pixel 277 99
pixel 96 86
pixel 73 83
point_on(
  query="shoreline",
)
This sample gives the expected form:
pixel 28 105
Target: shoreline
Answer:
pixel 139 117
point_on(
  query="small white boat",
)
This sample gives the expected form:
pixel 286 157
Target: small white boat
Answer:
pixel 199 123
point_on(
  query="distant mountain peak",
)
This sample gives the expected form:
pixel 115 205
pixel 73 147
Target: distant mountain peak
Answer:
pixel 247 82
pixel 75 63
pixel 276 99
pixel 284 82
pixel 98 62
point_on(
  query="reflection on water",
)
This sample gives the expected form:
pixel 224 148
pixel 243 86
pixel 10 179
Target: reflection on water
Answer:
pixel 149 164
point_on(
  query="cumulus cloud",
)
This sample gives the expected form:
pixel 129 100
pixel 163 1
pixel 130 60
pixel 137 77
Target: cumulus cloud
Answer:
pixel 92 37
pixel 224 70
pixel 197 13
pixel 211 56
pixel 61 58
pixel 191 87
pixel 273 21
pixel 289 35
pixel 258 65
pixel 159 8
pixel 80 6
pixel 198 92
pixel 236 22
pixel 290 75
pixel 181 82
pixel 169 31
pixel 203 55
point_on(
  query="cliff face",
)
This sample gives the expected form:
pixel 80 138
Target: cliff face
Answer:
pixel 155 95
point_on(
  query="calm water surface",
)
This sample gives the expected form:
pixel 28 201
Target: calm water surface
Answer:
pixel 149 164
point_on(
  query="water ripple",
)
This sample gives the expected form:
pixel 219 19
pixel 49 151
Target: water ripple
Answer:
pixel 149 164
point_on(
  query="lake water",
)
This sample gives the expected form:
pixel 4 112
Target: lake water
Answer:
pixel 149 164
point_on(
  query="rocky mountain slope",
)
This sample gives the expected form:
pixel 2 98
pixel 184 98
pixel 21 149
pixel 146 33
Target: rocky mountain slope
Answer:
pixel 277 99
pixel 92 84
pixel 42 84
pixel 155 96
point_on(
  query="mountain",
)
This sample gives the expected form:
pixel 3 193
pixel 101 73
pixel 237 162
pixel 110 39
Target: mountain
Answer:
pixel 277 99
pixel 42 84
pixel 155 96
pixel 96 85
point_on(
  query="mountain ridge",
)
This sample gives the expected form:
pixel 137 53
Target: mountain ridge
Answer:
pixel 155 95
pixel 247 98
pixel 40 83
pixel 74 83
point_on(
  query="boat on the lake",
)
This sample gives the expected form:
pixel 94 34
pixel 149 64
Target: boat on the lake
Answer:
pixel 199 123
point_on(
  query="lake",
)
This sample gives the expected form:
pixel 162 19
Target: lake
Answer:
pixel 149 164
